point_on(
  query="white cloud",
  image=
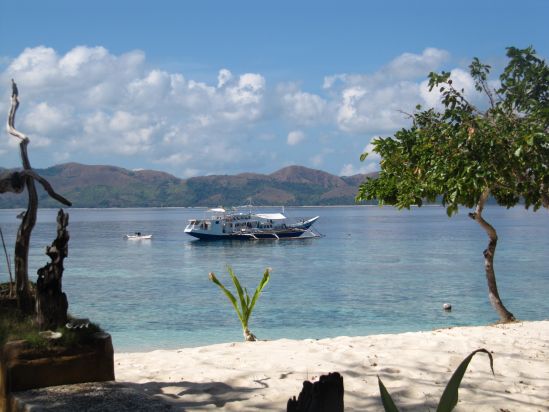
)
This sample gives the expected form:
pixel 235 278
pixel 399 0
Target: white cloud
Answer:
pixel 88 59
pixel 44 118
pixel 104 104
pixel 295 137
pixel 330 81
pixel 370 164
pixel 248 89
pixel 349 169
pixel 223 77
pixel 35 67
pixel 461 80
pixel 119 133
pixel 410 65
pixel 375 102
pixel 154 87
pixel 303 108
pixel 97 106
pixel 372 156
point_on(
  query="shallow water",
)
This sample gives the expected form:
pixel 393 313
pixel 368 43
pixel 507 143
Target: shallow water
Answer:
pixel 377 270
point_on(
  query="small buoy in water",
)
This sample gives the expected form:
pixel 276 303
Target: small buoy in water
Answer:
pixel 447 307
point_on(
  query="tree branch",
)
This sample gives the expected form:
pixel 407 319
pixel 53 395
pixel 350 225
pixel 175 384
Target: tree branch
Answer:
pixel 463 99
pixel 47 187
pixel 13 109
pixel 27 169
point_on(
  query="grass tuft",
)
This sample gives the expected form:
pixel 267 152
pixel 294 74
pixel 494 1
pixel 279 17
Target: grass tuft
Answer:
pixel 16 326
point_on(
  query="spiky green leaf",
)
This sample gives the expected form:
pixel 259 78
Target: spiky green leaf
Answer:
pixel 262 284
pixel 449 397
pixel 386 399
pixel 229 295
pixel 239 290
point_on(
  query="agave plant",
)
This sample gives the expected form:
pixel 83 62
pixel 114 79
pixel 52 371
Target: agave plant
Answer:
pixel 449 397
pixel 244 306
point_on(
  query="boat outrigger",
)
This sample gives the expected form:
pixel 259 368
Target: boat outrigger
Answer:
pixel 223 224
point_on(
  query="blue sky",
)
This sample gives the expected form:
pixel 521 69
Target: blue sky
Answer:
pixel 212 87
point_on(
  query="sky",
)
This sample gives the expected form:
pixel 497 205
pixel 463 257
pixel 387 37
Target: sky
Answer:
pixel 208 87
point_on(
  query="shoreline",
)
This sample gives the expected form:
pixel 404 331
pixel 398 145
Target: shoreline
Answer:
pixel 414 366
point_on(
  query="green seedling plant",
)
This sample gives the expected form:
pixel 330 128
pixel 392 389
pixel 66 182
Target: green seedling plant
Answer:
pixel 449 398
pixel 244 305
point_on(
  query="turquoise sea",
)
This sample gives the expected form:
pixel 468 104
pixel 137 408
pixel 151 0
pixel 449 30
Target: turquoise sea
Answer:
pixel 376 270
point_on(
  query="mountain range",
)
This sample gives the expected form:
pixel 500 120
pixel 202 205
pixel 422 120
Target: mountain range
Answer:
pixel 110 186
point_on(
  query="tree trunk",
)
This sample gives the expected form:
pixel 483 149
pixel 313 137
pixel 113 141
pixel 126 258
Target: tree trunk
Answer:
pixel 51 302
pixel 489 253
pixel 22 243
pixel 14 182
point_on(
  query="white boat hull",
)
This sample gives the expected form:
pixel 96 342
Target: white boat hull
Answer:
pixel 138 237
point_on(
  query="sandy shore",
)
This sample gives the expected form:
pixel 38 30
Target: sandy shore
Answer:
pixel 415 367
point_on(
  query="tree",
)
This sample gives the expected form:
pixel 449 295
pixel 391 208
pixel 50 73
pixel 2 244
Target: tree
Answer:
pixel 16 182
pixel 462 155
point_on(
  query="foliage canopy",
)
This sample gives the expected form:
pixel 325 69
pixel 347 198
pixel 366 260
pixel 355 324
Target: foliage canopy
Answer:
pixel 461 154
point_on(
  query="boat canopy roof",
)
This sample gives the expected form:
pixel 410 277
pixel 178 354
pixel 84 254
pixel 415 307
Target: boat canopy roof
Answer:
pixel 271 216
pixel 217 210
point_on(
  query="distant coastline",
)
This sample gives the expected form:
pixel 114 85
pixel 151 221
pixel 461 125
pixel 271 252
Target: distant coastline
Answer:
pixel 92 186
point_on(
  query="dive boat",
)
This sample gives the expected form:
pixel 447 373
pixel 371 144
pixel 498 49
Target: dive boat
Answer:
pixel 223 224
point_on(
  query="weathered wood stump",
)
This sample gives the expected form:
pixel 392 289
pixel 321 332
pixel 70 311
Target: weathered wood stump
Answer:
pixel 51 302
pixel 325 395
pixel 22 367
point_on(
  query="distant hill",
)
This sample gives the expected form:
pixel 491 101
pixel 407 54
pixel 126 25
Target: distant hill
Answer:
pixel 110 186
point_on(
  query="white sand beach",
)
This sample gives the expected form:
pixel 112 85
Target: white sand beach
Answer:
pixel 415 367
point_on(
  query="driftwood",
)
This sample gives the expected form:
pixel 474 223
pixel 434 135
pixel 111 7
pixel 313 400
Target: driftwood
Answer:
pixel 51 302
pixel 325 395
pixel 14 182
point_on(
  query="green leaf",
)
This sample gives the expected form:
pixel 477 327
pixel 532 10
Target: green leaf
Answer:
pixel 246 304
pixel 363 156
pixel 386 399
pixel 262 284
pixel 240 293
pixel 229 295
pixel 449 397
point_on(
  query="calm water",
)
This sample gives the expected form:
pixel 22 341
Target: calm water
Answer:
pixel 377 270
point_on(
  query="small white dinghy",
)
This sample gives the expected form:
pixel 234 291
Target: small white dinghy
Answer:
pixel 138 236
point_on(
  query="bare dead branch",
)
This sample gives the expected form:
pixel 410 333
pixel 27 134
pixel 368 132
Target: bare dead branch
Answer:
pixel 16 180
pixel 13 109
pixel 408 115
pixel 47 187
